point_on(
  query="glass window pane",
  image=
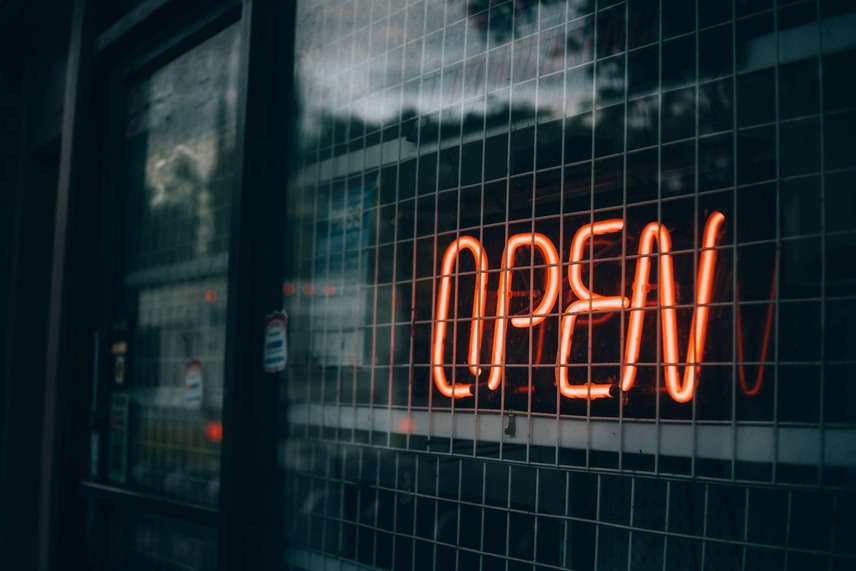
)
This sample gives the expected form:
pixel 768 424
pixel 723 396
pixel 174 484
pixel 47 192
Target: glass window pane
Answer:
pixel 169 324
pixel 681 165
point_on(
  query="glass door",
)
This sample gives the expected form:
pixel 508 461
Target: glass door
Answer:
pixel 166 332
pixel 168 338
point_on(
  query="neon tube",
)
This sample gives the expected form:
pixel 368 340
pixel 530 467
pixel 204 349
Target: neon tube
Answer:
pixel 459 390
pixel 578 251
pixel 551 293
pixel 765 343
pixel 551 287
pixel 681 392
pixel 588 390
pixel 650 233
pixel 589 302
pixel 540 349
pixel 701 314
pixel 596 320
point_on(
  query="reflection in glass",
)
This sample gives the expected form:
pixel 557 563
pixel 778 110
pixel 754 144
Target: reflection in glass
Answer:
pixel 539 118
pixel 169 326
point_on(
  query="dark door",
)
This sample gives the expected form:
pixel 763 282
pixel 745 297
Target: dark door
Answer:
pixel 170 183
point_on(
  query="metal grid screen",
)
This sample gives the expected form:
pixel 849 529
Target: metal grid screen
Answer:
pixel 514 224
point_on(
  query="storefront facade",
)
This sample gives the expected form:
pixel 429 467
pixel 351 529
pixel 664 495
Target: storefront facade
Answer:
pixel 470 285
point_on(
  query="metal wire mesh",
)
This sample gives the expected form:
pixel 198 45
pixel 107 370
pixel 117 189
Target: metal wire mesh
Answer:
pixel 398 509
pixel 427 122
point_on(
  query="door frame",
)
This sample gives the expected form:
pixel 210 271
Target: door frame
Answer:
pixel 73 495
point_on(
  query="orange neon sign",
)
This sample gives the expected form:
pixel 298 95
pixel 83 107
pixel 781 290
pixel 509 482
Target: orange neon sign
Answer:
pixel 587 304
pixel 551 256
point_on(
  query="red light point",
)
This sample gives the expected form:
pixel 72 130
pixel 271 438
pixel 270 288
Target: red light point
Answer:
pixel 214 431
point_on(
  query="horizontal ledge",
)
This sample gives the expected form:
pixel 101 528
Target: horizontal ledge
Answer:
pixel 114 495
pixel 833 447
pixel 129 22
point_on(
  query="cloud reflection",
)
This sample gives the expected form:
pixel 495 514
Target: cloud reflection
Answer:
pixel 372 61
